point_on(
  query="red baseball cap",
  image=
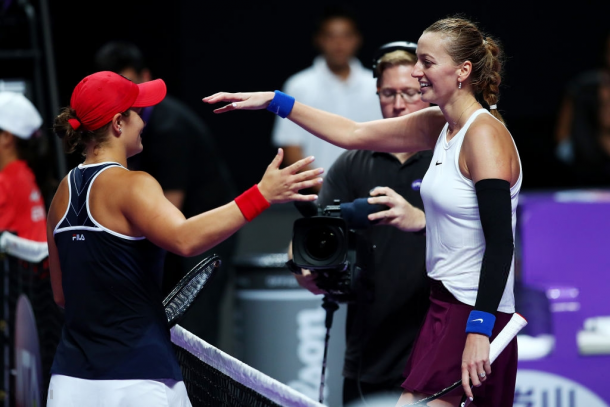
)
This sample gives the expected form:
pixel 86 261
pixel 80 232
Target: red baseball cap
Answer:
pixel 99 96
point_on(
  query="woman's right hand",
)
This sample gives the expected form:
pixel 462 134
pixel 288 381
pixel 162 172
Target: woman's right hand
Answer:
pixel 283 185
pixel 240 101
pixel 401 214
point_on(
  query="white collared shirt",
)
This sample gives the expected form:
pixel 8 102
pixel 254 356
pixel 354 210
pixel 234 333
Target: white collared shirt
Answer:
pixel 316 86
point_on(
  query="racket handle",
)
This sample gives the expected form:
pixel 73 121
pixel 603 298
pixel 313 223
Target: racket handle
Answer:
pixel 516 323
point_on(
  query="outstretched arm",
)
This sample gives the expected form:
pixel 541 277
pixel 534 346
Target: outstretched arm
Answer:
pixel 163 224
pixel 414 132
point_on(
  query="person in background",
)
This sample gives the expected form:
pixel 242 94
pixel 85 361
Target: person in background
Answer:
pixel 181 154
pixel 380 335
pixel 582 131
pixel 336 82
pixel 22 208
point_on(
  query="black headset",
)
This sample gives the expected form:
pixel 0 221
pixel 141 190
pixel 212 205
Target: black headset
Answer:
pixel 391 47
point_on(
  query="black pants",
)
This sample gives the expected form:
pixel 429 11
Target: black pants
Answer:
pixel 386 393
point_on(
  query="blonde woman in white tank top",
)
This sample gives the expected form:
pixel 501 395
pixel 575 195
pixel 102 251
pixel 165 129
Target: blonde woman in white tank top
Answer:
pixel 470 195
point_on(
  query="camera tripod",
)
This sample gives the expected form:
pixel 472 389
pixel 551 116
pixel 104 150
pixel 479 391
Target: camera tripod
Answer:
pixel 330 306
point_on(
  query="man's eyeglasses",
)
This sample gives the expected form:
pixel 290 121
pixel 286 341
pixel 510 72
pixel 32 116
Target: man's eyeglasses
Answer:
pixel 408 95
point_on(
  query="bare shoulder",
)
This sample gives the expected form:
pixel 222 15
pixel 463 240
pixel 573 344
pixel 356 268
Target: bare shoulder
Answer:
pixel 489 151
pixel 62 192
pixel 59 203
pixel 121 189
pixel 121 178
pixel 130 183
pixel 486 132
pixel 140 178
pixel 62 187
pixel 142 181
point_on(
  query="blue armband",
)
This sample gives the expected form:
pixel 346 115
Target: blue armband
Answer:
pixel 480 322
pixel 281 104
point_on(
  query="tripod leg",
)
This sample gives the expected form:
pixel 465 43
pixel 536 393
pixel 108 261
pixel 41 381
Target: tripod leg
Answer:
pixel 330 306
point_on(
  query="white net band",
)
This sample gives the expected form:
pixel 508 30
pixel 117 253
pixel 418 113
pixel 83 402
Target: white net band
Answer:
pixel 238 371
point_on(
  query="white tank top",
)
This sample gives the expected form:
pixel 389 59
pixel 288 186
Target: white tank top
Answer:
pixel 454 237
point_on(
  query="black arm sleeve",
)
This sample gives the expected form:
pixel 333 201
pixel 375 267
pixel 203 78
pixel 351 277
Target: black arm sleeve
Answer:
pixel 495 210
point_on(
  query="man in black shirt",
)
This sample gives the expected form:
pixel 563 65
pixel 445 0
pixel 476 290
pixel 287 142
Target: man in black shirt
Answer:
pixel 180 153
pixel 380 334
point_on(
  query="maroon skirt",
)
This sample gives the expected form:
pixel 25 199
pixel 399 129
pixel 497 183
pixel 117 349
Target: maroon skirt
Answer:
pixel 436 360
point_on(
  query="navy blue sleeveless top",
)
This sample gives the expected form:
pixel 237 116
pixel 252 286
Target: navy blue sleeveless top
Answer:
pixel 115 325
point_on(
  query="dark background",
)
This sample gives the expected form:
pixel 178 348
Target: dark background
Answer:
pixel 200 48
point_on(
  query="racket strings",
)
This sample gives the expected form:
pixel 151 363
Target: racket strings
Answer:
pixel 185 297
pixel 188 288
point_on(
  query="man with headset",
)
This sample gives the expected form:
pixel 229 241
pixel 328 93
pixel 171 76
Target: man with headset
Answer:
pixel 380 334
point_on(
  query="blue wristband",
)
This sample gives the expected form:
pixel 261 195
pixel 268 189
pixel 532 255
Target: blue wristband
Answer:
pixel 480 322
pixel 281 104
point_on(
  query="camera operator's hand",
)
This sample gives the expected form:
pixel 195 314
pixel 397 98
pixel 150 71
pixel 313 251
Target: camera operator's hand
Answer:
pixel 401 214
pixel 307 280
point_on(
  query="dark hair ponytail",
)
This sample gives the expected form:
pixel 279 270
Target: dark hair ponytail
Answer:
pixel 490 76
pixel 74 139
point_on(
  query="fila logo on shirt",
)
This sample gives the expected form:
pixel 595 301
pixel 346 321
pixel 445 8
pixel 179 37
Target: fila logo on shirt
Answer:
pixel 78 237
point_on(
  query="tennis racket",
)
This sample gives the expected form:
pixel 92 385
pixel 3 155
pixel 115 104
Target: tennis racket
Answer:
pixel 516 323
pixel 188 288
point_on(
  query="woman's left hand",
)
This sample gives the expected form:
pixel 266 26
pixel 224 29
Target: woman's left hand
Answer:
pixel 401 214
pixel 475 362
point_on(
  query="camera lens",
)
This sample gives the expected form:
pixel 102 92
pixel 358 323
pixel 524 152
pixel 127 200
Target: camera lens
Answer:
pixel 321 243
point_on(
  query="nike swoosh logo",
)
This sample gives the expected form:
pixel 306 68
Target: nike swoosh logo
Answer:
pixel 437 163
pixel 478 319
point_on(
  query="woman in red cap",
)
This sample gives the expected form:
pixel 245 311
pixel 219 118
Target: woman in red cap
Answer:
pixel 108 229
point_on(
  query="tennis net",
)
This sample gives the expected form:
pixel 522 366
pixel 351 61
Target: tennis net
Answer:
pixel 214 378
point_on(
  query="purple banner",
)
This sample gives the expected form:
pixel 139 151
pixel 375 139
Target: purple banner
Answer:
pixel 565 253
